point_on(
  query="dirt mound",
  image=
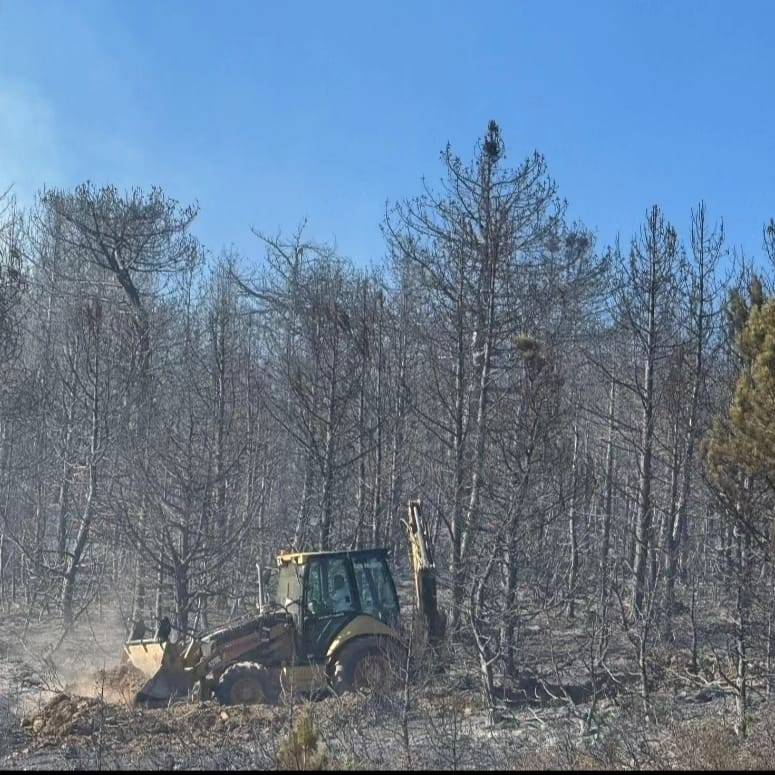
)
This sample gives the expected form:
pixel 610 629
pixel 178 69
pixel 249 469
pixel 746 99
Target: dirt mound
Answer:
pixel 68 714
pixel 190 734
pixel 185 730
pixel 64 716
pixel 116 685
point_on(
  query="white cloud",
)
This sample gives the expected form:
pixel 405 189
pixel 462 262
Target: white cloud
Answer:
pixel 29 148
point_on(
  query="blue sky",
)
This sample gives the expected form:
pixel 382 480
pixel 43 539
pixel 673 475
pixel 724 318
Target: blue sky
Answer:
pixel 268 113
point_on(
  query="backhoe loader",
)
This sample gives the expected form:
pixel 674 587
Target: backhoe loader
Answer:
pixel 334 624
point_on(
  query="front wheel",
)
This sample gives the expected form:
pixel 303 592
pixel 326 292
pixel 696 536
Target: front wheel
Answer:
pixel 245 683
pixel 369 665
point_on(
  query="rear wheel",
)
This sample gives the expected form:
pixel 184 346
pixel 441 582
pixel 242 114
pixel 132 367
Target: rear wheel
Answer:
pixel 369 665
pixel 245 683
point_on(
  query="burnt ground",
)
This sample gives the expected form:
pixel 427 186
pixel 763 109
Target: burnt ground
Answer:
pixel 67 703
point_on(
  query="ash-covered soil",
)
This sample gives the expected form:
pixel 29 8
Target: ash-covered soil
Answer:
pixel 66 702
pixel 444 728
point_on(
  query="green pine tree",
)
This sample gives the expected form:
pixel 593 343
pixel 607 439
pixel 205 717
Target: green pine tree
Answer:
pixel 740 447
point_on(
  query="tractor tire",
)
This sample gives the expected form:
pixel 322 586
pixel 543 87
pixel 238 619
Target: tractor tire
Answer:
pixel 245 683
pixel 370 665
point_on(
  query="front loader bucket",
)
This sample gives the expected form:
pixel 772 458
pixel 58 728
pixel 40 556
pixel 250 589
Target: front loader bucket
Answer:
pixel 162 663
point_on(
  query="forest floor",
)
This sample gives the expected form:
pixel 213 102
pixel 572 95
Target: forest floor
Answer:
pixel 65 702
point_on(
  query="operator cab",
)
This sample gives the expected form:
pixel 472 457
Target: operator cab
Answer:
pixel 325 591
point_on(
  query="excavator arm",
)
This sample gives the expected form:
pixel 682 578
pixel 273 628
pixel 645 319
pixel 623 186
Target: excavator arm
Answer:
pixel 431 619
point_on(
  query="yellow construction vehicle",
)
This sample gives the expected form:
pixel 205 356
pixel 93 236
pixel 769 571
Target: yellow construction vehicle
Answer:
pixel 334 624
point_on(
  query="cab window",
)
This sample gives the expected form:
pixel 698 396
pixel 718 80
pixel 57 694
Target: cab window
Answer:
pixel 329 590
pixel 376 590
